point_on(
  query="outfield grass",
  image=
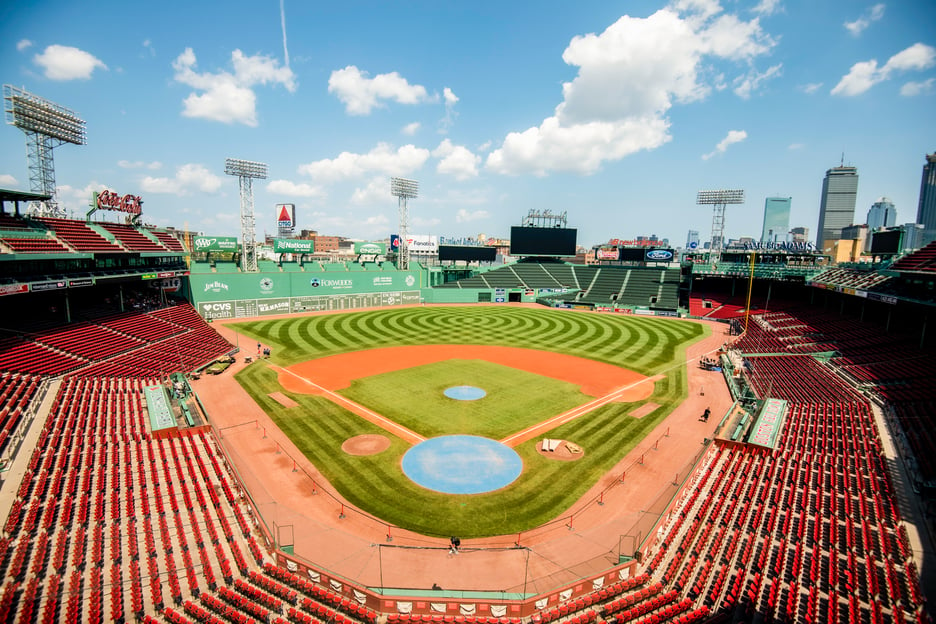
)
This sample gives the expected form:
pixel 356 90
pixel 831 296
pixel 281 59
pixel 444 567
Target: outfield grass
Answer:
pixel 515 399
pixel 546 488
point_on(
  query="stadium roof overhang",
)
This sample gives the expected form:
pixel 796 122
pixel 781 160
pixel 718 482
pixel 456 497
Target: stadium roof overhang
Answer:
pixel 16 197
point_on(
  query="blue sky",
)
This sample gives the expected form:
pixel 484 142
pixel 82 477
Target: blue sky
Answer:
pixel 616 112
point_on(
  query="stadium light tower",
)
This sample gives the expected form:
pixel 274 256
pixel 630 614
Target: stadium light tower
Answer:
pixel 46 125
pixel 247 171
pixel 403 189
pixel 718 200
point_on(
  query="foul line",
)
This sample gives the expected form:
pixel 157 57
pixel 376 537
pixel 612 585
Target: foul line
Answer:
pixel 572 414
pixel 381 421
pixel 547 425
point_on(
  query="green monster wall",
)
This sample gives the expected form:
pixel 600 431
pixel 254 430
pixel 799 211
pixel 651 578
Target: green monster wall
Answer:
pixel 241 295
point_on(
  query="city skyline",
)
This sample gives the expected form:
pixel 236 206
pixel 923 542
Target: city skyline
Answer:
pixel 617 115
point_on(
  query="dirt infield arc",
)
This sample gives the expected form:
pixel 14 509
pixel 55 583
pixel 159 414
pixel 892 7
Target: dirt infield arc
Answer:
pixel 594 378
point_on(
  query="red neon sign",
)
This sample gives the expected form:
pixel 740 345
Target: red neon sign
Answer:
pixel 109 200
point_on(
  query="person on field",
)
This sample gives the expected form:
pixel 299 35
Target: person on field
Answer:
pixel 706 414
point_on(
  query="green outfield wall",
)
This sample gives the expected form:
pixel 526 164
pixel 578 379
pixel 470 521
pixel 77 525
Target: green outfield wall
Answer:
pixel 244 295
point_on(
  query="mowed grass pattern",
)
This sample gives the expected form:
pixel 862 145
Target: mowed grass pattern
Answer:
pixel 547 488
pixel 415 398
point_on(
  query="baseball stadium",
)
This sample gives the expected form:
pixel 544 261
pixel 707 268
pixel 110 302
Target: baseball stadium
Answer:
pixel 188 438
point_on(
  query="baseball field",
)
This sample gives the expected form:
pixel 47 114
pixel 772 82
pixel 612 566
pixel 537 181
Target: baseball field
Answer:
pixel 534 364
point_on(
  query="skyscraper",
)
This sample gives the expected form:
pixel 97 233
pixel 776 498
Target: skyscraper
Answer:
pixel 837 206
pixel 776 219
pixel 692 240
pixel 926 209
pixel 882 214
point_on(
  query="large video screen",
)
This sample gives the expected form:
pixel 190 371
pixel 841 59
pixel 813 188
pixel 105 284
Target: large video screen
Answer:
pixel 534 241
pixel 884 243
pixel 467 253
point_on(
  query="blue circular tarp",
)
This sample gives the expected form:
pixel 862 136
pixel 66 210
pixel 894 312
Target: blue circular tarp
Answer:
pixel 462 464
pixel 464 393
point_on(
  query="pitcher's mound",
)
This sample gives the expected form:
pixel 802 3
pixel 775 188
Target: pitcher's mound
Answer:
pixel 367 444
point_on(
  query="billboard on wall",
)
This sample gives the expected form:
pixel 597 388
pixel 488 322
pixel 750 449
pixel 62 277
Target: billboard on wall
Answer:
pixel 659 255
pixel 215 243
pixel 468 253
pixel 371 249
pixel 293 245
pixel 286 216
pixel 416 243
pixel 422 244
pixel 607 253
pixel 541 241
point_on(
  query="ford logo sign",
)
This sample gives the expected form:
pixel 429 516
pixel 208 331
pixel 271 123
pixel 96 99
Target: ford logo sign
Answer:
pixel 659 254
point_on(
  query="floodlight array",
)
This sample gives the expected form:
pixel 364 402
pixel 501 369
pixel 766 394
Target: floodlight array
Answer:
pixel 401 187
pixel 722 196
pixel 245 168
pixel 32 113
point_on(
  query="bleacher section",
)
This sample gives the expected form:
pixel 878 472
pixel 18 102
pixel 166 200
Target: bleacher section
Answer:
pixel 131 238
pixel 79 235
pixel 168 241
pixel 16 392
pixel 39 245
pixel 851 278
pixel 923 260
pixel 111 524
pixel 171 339
pixel 601 286
pixel 807 532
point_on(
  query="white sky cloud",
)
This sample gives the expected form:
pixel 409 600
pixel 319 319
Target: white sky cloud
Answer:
pixel 865 74
pixel 361 94
pixel 188 178
pixel 767 7
pixel 796 146
pixel 811 87
pixel 76 200
pixel 382 159
pixel 292 189
pixel 411 128
pixel 733 136
pixel 911 89
pixel 377 191
pixel 139 164
pixel 456 160
pixel 229 97
pixel 450 100
pixel 23 44
pixel 467 216
pixel 67 63
pixel 629 76
pixel 8 181
pixel 752 81
pixel 873 14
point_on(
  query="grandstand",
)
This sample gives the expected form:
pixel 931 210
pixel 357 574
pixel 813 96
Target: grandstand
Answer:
pixel 108 521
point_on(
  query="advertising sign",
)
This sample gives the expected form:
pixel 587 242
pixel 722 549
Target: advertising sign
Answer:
pixel 41 286
pixel 658 255
pixel 293 245
pixel 607 253
pixel 370 249
pixel 109 200
pixel 12 289
pixel 423 244
pixel 395 242
pixel 286 216
pixel 215 243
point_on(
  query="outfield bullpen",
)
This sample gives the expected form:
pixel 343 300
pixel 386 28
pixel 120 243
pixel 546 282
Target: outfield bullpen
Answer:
pixel 638 347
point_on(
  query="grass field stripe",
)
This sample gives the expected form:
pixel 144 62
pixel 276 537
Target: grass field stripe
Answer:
pixel 374 417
